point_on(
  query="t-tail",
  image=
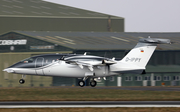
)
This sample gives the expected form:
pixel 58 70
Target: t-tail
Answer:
pixel 138 57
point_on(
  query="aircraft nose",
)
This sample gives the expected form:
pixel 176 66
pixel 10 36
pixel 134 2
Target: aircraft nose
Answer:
pixel 9 70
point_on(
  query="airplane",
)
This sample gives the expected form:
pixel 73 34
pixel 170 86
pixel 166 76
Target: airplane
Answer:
pixel 88 66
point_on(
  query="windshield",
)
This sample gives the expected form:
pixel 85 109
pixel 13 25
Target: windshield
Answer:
pixel 28 60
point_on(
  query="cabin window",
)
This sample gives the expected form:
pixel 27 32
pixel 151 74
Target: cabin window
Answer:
pixel 46 61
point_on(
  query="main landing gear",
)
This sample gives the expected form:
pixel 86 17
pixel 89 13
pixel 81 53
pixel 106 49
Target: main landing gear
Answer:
pixel 93 83
pixel 81 83
pixel 22 81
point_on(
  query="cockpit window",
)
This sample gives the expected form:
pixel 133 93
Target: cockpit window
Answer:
pixel 28 60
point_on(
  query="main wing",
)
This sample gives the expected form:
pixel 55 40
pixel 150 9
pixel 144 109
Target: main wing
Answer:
pixel 91 65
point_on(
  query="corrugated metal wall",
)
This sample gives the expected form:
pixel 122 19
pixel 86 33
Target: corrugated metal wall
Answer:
pixel 59 24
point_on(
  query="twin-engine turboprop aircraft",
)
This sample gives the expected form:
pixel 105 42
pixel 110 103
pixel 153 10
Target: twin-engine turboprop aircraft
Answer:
pixel 87 66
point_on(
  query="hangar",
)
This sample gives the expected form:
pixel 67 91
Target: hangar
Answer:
pixel 39 15
pixel 162 68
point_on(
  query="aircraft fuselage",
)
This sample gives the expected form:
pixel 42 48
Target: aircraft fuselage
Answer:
pixel 53 65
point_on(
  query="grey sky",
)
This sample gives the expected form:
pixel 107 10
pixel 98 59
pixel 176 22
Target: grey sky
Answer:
pixel 140 15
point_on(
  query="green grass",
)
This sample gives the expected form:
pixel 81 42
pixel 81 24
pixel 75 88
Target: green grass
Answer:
pixel 84 94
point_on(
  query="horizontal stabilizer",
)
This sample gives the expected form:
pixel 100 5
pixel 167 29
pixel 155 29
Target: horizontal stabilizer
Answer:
pixel 155 40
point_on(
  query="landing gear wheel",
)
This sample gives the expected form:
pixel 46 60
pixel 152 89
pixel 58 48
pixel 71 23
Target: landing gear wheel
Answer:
pixel 81 83
pixel 93 83
pixel 21 81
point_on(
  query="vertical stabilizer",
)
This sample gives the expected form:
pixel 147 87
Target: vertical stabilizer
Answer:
pixel 143 51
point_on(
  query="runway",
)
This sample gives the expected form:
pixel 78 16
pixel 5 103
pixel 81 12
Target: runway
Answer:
pixel 137 88
pixel 82 104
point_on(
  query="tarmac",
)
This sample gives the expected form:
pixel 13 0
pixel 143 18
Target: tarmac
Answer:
pixel 142 88
pixel 97 104
pixel 83 104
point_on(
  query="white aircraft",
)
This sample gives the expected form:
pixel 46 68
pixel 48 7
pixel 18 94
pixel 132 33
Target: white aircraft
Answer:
pixel 87 66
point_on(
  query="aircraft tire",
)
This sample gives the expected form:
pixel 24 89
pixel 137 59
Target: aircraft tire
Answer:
pixel 21 81
pixel 93 83
pixel 81 83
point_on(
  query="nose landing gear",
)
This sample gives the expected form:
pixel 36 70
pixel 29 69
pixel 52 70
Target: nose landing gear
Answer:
pixel 22 81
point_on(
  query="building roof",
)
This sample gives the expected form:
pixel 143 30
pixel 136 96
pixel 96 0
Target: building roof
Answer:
pixel 40 8
pixel 101 40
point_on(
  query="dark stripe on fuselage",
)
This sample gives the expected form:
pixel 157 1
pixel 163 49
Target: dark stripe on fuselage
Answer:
pixel 46 60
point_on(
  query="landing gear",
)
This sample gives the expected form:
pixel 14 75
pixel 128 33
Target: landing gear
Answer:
pixel 93 83
pixel 81 83
pixel 21 81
